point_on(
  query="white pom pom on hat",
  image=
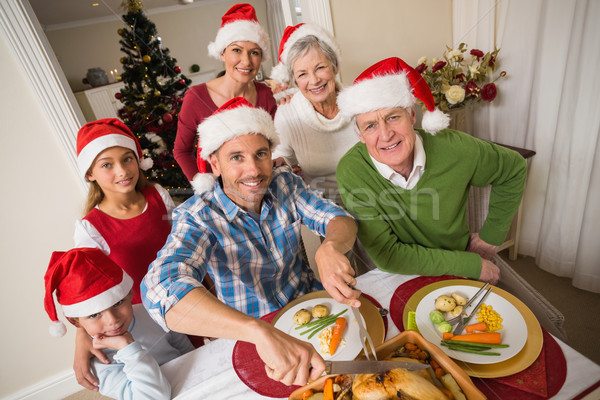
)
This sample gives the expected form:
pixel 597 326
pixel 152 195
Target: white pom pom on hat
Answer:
pixel 95 137
pixel 291 35
pixel 387 84
pixel 239 24
pixel 85 281
pixel 235 118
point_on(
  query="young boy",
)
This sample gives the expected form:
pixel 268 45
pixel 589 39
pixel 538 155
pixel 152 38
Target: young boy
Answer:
pixel 95 294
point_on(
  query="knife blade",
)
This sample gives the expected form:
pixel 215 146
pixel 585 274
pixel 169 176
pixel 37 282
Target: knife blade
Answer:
pixel 370 366
pixel 364 334
pixel 465 321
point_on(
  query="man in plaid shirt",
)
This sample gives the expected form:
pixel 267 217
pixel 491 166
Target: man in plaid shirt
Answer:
pixel 244 231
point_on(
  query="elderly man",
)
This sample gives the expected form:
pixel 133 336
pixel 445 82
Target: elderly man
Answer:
pixel 244 231
pixel 408 188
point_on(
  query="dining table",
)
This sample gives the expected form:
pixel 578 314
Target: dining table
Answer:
pixel 208 372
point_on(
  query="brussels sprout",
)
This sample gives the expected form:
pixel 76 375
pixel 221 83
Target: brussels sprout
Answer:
pixel 444 327
pixel 436 317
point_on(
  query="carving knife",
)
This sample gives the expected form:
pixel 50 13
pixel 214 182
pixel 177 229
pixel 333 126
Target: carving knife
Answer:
pixel 370 366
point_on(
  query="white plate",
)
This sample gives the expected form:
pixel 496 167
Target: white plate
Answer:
pixel 349 346
pixel 514 332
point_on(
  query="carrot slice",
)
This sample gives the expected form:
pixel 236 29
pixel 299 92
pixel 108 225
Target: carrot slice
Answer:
pixel 328 389
pixel 479 326
pixel 447 335
pixel 336 335
pixel 307 394
pixel 483 337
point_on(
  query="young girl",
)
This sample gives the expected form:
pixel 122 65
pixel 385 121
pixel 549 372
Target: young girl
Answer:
pixel 126 216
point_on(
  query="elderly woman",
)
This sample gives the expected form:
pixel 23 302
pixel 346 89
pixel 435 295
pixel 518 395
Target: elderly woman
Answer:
pixel 242 44
pixel 312 131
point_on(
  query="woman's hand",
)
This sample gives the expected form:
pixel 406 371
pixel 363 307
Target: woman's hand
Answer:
pixel 278 162
pixel 81 364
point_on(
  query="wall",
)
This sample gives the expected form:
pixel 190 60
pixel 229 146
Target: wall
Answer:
pixel 186 33
pixel 393 28
pixel 41 199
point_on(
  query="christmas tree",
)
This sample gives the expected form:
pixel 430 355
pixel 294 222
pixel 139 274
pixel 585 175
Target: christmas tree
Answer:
pixel 152 96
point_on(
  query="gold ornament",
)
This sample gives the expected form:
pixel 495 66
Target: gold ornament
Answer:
pixel 132 5
pixel 122 60
pixel 157 93
pixel 120 31
pixel 146 59
pixel 119 77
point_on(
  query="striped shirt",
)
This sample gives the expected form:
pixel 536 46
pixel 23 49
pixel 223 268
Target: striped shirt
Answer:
pixel 256 265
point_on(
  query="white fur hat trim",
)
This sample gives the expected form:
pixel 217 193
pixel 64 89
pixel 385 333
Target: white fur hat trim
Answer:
pixel 101 301
pixel 384 91
pixel 231 123
pixel 242 31
pixel 203 182
pixel 281 72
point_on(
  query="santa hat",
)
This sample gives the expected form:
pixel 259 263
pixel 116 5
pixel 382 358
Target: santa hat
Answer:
pixel 235 118
pixel 391 83
pixel 239 24
pixel 291 35
pixel 86 282
pixel 95 137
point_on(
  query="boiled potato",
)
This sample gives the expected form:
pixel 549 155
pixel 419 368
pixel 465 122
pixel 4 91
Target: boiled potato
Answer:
pixel 320 311
pixel 456 311
pixel 460 300
pixel 301 317
pixel 445 303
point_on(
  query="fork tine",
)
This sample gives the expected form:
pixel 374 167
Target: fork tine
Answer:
pixel 372 348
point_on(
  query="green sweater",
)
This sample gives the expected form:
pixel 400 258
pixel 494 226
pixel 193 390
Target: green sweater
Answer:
pixel 424 230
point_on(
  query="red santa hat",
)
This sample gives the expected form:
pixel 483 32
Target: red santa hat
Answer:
pixel 95 137
pixel 239 24
pixel 86 282
pixel 291 35
pixel 391 83
pixel 235 118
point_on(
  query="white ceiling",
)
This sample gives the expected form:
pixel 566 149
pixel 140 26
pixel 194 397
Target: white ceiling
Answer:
pixel 56 13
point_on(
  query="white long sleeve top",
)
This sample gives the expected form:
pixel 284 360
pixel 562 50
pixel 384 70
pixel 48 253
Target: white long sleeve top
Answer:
pixel 313 141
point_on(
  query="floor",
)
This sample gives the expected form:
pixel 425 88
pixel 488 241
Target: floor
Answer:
pixel 578 306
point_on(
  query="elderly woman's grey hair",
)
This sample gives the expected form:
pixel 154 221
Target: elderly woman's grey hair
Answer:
pixel 303 45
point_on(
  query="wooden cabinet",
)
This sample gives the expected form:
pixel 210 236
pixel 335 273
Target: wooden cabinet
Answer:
pixel 100 102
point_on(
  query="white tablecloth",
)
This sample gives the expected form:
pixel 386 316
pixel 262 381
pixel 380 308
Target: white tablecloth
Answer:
pixel 207 372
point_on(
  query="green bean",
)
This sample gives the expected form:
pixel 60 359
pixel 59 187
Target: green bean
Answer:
pixel 475 344
pixel 466 349
pixel 321 323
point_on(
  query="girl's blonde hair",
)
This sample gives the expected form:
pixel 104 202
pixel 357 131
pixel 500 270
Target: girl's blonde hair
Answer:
pixel 96 195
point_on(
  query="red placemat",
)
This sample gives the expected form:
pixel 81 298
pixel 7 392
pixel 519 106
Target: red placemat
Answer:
pixel 251 369
pixel 525 385
pixel 405 291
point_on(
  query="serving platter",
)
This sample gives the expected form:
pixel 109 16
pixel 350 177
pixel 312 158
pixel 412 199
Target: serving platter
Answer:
pixel 350 347
pixel 514 332
pixel 469 389
pixel 517 363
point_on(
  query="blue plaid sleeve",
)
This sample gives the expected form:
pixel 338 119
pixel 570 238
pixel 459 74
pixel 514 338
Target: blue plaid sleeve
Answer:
pixel 179 267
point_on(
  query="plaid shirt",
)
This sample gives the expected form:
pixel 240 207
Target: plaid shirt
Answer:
pixel 256 265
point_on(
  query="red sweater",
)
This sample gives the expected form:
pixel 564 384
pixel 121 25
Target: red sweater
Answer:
pixel 196 106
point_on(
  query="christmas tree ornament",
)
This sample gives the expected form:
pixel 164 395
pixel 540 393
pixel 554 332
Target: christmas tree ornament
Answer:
pixel 118 96
pixel 167 117
pixel 182 82
pixel 157 93
pixel 120 31
pixel 133 6
pixel 146 59
pixel 122 60
pixel 177 69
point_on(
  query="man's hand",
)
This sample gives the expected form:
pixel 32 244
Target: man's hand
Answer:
pixel 81 363
pixel 287 359
pixel 477 245
pixel 335 271
pixel 489 272
pixel 337 275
